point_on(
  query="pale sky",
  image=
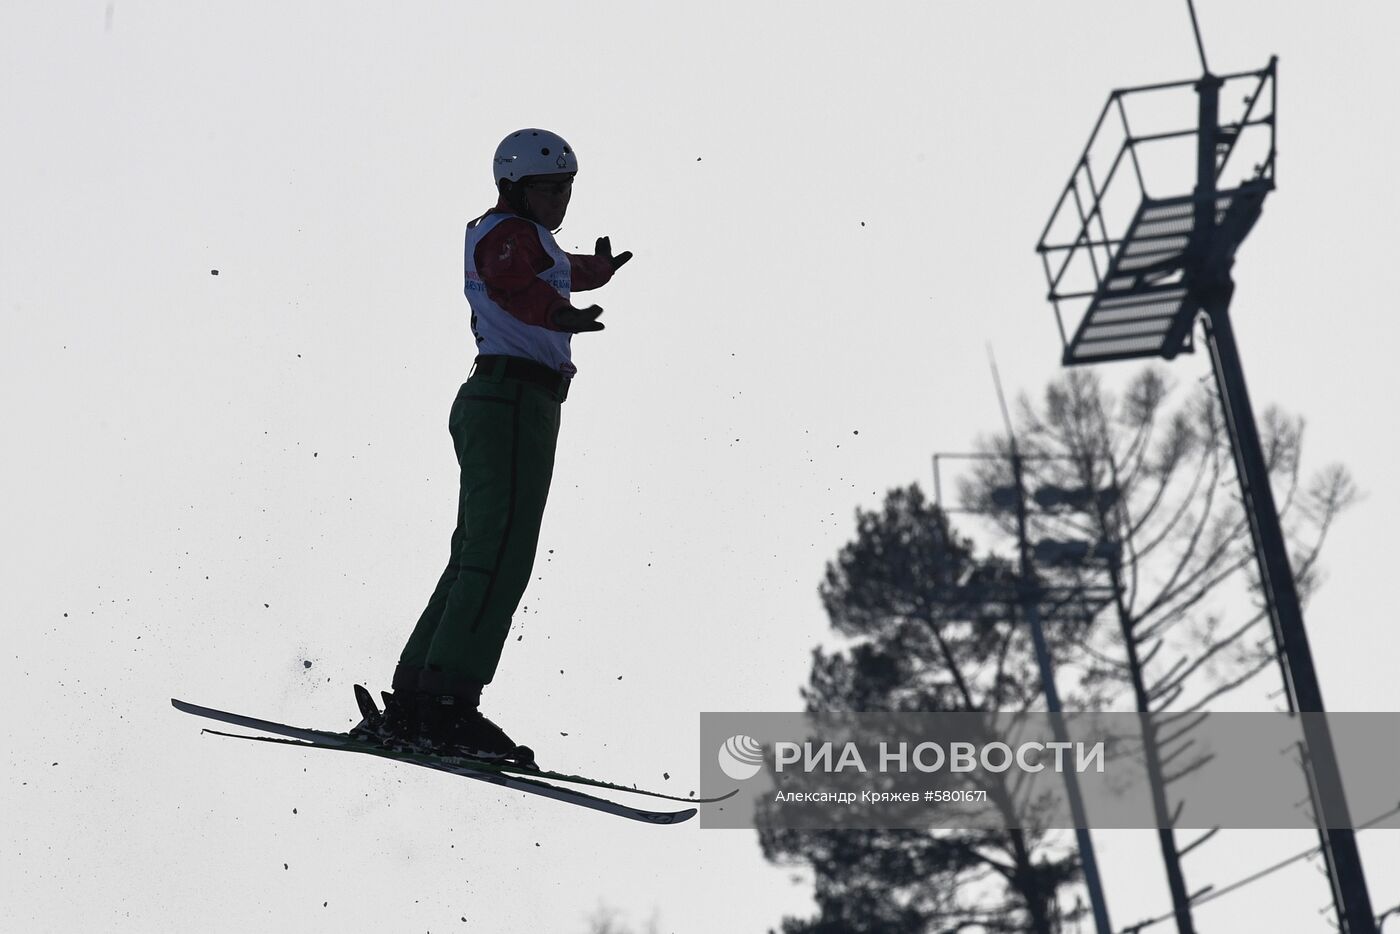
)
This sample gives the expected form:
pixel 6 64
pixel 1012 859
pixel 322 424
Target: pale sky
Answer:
pixel 217 479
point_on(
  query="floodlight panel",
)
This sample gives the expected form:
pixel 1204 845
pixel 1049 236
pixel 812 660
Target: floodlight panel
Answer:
pixel 1129 331
pixel 1141 295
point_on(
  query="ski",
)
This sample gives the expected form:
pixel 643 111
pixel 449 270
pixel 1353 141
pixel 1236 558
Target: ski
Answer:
pixel 338 740
pixel 503 774
pixel 530 786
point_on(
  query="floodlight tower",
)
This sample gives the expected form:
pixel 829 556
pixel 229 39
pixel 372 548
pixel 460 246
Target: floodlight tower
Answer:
pixel 1143 284
pixel 1027 598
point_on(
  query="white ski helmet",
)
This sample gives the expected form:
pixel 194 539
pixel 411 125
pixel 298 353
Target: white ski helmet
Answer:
pixel 533 152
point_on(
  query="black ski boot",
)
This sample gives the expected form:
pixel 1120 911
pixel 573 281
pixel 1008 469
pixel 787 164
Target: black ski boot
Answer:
pixel 395 728
pixel 452 724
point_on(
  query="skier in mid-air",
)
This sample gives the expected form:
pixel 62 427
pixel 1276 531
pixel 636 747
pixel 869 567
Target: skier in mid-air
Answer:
pixel 504 424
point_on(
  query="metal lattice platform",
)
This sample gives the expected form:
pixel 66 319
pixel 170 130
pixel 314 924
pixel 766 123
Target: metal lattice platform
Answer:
pixel 1124 263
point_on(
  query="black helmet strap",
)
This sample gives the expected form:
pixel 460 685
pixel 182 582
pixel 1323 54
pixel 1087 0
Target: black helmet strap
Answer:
pixel 517 198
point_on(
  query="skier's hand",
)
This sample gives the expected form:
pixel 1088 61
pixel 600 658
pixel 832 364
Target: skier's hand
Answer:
pixel 576 320
pixel 603 250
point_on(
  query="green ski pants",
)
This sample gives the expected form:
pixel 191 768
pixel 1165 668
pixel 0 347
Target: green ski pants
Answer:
pixel 505 431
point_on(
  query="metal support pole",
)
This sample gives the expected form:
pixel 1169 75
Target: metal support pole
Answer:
pixel 1281 594
pixel 1212 288
pixel 1031 606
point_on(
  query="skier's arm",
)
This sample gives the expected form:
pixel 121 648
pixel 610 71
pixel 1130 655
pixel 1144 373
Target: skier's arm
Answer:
pixel 510 260
pixel 591 272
